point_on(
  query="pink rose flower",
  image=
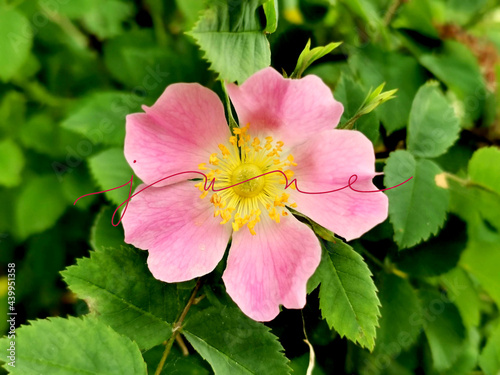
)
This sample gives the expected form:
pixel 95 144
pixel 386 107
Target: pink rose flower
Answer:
pixel 288 125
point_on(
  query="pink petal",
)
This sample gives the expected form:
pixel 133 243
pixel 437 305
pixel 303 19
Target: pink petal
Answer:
pixel 290 109
pixel 180 131
pixel 326 162
pixel 178 228
pixel 272 267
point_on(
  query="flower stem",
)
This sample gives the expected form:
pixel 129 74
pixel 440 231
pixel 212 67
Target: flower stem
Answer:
pixel 176 328
pixel 391 11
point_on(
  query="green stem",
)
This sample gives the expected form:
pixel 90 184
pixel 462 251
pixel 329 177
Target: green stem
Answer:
pixel 387 268
pixel 40 94
pixel 69 28
pixel 468 183
pixel 176 328
pixel 391 11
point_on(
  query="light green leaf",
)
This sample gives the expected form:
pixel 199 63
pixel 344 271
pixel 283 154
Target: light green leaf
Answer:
pixel 489 359
pixel 11 163
pixel 191 10
pixel 16 39
pixel 484 168
pixel 120 290
pixel 443 328
pixel 433 126
pixel 348 296
pixel 110 169
pixel 73 346
pixel 106 19
pixel 272 14
pixel 235 344
pixel 44 196
pixel 462 292
pixel 467 359
pixel 481 258
pixel 12 113
pixel 101 117
pixel 401 314
pixel 308 56
pixel 417 209
pixel 233 39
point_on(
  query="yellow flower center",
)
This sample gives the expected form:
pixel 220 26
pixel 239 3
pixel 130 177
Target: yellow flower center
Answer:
pixel 239 162
pixel 250 188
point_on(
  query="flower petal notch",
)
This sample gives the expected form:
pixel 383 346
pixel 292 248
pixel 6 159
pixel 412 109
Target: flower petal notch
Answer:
pixel 286 140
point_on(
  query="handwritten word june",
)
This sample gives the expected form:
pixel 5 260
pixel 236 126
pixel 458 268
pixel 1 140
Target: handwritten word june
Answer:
pixel 210 186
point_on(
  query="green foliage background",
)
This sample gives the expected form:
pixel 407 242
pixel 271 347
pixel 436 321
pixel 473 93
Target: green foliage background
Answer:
pixel 418 294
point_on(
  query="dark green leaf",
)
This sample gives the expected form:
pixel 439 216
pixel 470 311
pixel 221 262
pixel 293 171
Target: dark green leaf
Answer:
pixel 443 328
pixel 400 322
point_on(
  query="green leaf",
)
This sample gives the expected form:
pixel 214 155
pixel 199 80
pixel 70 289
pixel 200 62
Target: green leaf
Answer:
pixel 191 10
pixel 233 39
pixel 103 234
pixel 462 292
pixel 12 163
pixel 16 38
pixel 348 296
pixel 398 71
pixel 41 194
pixel 458 68
pixel 234 344
pixel 416 15
pixel 401 314
pixel 489 359
pixel 106 19
pixel 433 126
pixel 272 14
pixel 110 169
pixel 73 346
pixel 120 290
pixel 481 258
pixel 308 56
pixel 101 117
pixel 418 208
pixel 12 113
pixel 135 59
pixel 438 255
pixel 484 168
pixel 176 363
pixel 467 359
pixel 352 96
pixel 443 328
